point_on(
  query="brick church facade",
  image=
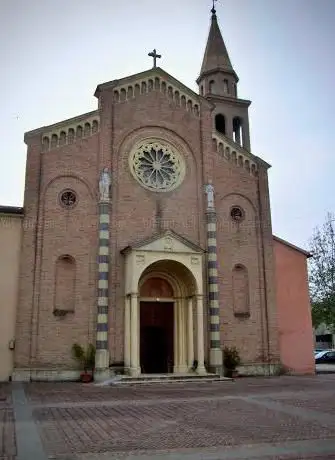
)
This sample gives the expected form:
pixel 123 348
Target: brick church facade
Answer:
pixel 146 231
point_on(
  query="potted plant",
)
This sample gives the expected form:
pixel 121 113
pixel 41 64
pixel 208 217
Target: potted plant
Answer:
pixel 86 359
pixel 231 359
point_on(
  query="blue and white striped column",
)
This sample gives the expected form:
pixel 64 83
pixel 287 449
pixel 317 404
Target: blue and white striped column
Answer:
pixel 215 352
pixel 102 351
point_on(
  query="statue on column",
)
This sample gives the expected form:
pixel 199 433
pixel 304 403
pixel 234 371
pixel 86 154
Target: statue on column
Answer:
pixel 209 190
pixel 105 183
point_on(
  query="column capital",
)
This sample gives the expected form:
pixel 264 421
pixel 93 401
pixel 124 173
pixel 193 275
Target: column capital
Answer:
pixel 199 296
pixel 133 295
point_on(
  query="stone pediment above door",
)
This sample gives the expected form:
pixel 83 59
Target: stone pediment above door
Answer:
pixel 168 241
pixel 165 252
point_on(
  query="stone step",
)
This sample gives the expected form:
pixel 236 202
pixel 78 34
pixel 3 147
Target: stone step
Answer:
pixel 165 378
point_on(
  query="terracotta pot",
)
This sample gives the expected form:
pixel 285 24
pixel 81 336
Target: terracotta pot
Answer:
pixel 85 377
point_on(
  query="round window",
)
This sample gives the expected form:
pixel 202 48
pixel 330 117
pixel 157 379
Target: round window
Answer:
pixel 237 214
pixel 157 166
pixel 68 198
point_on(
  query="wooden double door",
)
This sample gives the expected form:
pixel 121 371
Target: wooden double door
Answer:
pixel 156 337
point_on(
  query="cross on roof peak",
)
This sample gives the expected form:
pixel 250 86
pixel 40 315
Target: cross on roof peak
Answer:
pixel 155 56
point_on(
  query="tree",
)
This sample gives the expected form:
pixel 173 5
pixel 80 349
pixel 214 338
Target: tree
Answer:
pixel 322 274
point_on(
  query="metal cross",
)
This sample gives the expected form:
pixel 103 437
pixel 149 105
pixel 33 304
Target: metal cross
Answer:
pixel 155 56
pixel 213 9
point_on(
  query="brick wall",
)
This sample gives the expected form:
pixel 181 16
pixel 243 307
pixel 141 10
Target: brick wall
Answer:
pixel 48 339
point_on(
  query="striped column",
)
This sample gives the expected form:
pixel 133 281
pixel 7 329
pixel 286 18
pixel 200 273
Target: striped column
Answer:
pixel 102 353
pixel 215 353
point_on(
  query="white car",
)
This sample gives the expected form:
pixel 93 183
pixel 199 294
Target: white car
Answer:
pixel 325 357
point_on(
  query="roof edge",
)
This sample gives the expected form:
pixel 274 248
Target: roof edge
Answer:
pixel 292 246
pixel 121 81
pixel 59 124
pixel 12 210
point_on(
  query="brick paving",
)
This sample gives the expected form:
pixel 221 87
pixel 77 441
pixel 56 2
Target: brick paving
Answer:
pixel 258 415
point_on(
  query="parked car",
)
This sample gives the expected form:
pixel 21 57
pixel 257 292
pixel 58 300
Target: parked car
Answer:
pixel 318 350
pixel 325 357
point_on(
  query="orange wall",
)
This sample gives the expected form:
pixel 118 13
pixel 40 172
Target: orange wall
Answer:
pixel 294 315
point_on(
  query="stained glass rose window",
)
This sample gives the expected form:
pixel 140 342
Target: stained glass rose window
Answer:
pixel 157 166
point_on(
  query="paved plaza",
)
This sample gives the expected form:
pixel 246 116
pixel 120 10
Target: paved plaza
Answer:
pixel 259 418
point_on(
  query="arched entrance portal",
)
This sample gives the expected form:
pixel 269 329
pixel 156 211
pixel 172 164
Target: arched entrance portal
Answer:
pixel 164 324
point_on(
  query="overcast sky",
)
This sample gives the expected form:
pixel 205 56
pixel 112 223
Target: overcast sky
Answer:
pixel 54 53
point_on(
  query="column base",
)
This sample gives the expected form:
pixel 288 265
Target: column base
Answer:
pixel 218 370
pixel 101 360
pixel 183 369
pixel 201 370
pixel 215 358
pixel 135 371
pixel 100 375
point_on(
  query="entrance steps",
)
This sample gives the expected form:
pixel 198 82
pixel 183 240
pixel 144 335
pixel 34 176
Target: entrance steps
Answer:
pixel 146 379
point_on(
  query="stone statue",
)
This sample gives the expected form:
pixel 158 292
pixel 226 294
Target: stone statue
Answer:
pixel 209 190
pixel 105 183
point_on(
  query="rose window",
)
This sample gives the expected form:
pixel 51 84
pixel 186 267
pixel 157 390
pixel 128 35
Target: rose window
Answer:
pixel 157 166
pixel 68 198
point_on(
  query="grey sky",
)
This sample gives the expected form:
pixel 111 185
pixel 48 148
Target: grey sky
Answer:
pixel 54 53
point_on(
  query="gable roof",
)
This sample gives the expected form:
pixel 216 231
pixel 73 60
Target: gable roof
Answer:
pixel 157 71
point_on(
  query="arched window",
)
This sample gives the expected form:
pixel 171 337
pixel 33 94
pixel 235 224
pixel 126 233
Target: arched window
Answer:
pixel 65 279
pixel 95 125
pixel 225 86
pixel 45 143
pixel 202 90
pixel 62 138
pixel 54 141
pixel 220 123
pixel 241 291
pixel 235 89
pixel 87 130
pixel 70 136
pixel 237 130
pixel 211 87
pixel 79 132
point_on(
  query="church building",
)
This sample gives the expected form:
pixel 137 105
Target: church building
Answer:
pixel 146 231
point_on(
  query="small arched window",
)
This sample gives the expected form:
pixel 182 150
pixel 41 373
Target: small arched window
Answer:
pixel 225 86
pixel 220 123
pixel 211 87
pixel 54 141
pixel 45 143
pixel 62 138
pixel 70 136
pixel 79 132
pixel 238 130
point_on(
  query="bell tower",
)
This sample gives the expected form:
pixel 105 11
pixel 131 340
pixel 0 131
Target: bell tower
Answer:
pixel 218 82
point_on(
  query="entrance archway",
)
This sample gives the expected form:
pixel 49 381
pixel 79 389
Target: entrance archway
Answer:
pixel 163 285
pixel 164 333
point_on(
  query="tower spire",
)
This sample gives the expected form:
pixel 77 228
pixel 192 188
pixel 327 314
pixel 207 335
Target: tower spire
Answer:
pixel 216 56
